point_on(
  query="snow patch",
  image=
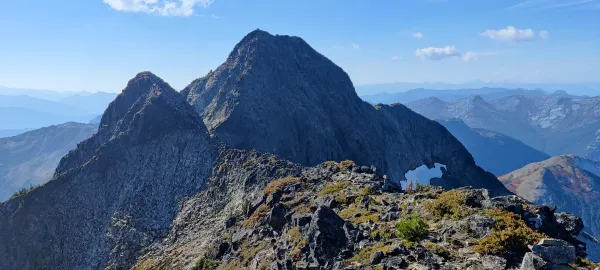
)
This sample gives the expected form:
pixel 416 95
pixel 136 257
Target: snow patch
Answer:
pixel 422 175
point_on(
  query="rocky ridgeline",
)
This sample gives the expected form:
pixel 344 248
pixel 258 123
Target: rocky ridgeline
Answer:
pixel 278 95
pixel 344 216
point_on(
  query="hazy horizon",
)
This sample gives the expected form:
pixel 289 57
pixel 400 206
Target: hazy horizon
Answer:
pixel 99 45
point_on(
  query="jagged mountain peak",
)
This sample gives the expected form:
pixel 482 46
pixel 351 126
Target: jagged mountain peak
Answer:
pixel 139 87
pixel 286 64
pixel 276 94
pixel 146 108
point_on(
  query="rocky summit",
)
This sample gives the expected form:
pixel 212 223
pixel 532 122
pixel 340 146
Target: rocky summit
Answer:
pixel 157 188
pixel 276 94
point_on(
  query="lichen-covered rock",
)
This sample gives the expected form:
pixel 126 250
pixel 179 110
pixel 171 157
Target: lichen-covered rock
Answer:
pixel 555 251
pixel 326 236
pixel 533 262
pixel 573 224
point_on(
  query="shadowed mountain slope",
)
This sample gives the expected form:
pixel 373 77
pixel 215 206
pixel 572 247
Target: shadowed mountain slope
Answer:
pixel 276 94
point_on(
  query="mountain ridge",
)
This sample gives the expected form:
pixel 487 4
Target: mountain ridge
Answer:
pixel 553 124
pixel 276 94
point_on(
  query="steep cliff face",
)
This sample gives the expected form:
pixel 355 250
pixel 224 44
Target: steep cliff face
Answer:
pixel 118 191
pixel 29 159
pixel 276 94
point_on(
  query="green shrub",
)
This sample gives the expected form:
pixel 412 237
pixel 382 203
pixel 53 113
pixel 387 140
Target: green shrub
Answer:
pixel 22 192
pixel 422 188
pixel 384 231
pixel 205 264
pixel 510 234
pixel 438 250
pixel 297 243
pixel 413 228
pixel 585 264
pixel 332 188
pixel 451 204
pixel 365 254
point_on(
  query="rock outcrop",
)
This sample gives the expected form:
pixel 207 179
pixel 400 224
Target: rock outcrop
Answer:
pixel 276 94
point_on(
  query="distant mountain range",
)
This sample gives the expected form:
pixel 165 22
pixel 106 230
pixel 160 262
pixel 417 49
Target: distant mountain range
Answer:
pixel 456 94
pixel 30 158
pixel 570 182
pixel 12 132
pixel 553 124
pixel 589 89
pixel 29 112
pixel 493 151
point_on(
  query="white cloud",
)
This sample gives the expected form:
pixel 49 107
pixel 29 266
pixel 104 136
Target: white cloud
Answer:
pixel 418 35
pixel 395 58
pixel 159 7
pixel 355 46
pixel 512 34
pixel 472 56
pixel 215 17
pixel 433 53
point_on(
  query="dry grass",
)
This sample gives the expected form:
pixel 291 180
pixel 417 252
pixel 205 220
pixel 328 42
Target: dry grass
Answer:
pixel 510 234
pixel 335 187
pixel 365 254
pixel 280 184
pixel 451 204
pixel 261 212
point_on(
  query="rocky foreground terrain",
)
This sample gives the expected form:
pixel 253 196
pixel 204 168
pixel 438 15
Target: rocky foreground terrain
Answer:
pixel 345 216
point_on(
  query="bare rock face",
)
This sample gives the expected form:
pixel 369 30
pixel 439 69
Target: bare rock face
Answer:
pixel 276 94
pixel 118 191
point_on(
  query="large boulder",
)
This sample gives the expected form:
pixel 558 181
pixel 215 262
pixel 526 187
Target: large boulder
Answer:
pixel 571 223
pixel 555 251
pixel 326 236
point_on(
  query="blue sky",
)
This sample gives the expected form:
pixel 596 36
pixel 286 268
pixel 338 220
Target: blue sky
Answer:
pixel 97 45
